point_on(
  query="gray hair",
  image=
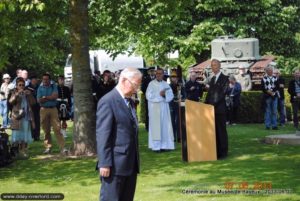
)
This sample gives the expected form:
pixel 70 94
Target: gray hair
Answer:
pixel 130 73
pixel 268 67
pixel 232 78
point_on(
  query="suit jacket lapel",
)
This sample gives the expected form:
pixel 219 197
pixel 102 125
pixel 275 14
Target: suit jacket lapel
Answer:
pixel 122 103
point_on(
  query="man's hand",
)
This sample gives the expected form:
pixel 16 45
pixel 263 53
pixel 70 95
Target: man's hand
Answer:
pixel 104 172
pixel 43 99
pixel 271 93
pixel 162 93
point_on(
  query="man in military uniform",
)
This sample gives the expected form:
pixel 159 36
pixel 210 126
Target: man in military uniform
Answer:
pixel 193 89
pixel 63 104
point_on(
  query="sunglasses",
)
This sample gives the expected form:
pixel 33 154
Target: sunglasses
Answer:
pixel 21 85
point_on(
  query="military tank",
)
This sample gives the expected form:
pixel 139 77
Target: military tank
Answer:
pixel 233 53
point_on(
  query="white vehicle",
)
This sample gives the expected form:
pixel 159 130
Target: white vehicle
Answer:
pixel 100 60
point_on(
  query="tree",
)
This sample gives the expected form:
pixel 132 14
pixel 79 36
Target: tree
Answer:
pixel 154 28
pixel 84 140
pixel 33 35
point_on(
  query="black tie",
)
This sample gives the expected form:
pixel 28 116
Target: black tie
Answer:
pixel 131 110
pixel 213 79
pixel 128 103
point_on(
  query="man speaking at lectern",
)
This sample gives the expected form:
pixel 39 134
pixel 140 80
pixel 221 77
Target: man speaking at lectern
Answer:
pixel 216 96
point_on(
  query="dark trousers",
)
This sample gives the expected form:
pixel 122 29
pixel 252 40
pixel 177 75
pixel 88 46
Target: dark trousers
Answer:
pixel 174 111
pixel 232 113
pixel 118 188
pixel 295 106
pixel 221 135
pixel 147 115
pixel 36 131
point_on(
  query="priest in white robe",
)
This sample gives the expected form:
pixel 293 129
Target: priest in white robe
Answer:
pixel 159 94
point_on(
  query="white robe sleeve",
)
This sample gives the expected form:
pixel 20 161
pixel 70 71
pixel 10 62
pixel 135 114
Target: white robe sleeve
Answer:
pixel 152 93
pixel 169 93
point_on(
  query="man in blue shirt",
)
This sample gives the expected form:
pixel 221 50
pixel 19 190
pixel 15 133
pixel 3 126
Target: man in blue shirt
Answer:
pixel 46 96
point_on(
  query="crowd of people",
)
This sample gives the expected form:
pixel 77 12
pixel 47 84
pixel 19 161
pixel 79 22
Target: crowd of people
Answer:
pixel 116 126
pixel 163 96
pixel 28 104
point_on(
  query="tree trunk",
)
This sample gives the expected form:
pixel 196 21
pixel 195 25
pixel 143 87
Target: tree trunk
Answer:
pixel 84 141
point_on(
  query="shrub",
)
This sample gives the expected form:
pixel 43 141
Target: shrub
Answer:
pixel 141 108
pixel 250 110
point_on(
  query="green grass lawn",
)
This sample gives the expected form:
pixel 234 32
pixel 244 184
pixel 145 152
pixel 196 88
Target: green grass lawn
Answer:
pixel 164 176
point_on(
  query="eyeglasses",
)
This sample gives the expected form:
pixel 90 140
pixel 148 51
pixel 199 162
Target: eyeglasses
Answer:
pixel 21 85
pixel 134 85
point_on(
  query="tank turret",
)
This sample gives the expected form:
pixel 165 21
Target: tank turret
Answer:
pixel 234 53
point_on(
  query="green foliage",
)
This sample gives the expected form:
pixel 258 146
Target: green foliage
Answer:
pixel 154 28
pixel 250 110
pixel 33 36
pixel 287 64
pixel 141 111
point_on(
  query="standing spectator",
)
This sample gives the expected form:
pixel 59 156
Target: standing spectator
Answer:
pixel 117 76
pixel 22 116
pixel 146 80
pixel 46 95
pixel 107 84
pixel 294 91
pixel 24 75
pixel 218 86
pixel 18 74
pixel 63 104
pixel 159 94
pixel 174 105
pixel 4 91
pixel 233 100
pixel 117 139
pixel 193 89
pixel 281 105
pixel 33 87
pixel 244 79
pixel 270 88
pixel 95 88
pixel 72 104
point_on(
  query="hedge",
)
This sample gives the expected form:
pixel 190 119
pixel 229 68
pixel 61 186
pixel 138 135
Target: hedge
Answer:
pixel 250 110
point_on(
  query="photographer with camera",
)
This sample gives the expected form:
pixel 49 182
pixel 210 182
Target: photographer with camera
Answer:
pixel 22 118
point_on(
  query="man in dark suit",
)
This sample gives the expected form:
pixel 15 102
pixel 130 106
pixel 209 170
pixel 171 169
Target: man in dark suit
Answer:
pixel 117 139
pixel 294 91
pixel 146 80
pixel 218 86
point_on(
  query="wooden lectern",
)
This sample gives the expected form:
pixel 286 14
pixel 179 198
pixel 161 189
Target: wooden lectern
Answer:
pixel 200 131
